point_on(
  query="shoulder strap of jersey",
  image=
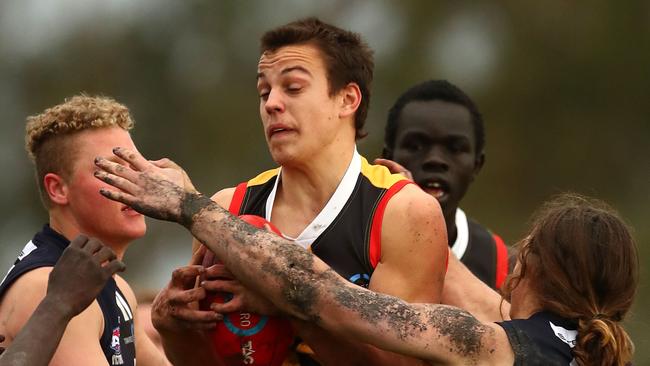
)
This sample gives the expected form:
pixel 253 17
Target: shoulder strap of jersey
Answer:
pixel 238 198
pixel 502 260
pixel 377 219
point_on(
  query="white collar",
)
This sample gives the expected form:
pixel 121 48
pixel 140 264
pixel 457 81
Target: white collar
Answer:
pixel 331 209
pixel 462 234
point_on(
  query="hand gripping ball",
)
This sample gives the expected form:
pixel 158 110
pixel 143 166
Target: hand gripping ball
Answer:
pixel 247 338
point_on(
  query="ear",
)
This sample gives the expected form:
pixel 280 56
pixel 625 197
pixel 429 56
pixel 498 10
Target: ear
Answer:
pixel 350 100
pixel 56 188
pixel 478 164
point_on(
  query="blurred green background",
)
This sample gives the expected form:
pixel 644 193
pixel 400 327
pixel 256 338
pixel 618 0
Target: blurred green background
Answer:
pixel 563 86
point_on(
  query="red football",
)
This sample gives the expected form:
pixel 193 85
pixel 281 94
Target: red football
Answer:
pixel 247 338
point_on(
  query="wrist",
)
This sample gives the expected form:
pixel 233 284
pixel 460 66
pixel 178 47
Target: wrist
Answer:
pixel 57 309
pixel 191 206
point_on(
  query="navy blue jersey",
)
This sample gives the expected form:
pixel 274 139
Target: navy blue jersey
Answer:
pixel 118 338
pixel 542 339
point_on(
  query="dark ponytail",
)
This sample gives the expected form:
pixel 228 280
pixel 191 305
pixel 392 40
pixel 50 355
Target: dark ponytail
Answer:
pixel 583 265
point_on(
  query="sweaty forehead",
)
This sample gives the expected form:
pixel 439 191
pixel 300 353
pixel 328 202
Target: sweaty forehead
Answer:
pixel 304 55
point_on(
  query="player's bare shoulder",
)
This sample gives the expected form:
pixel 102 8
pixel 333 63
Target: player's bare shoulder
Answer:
pixel 224 196
pixel 20 300
pixel 414 209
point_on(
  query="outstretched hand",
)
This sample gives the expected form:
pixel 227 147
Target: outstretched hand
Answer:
pixel 160 189
pixel 81 273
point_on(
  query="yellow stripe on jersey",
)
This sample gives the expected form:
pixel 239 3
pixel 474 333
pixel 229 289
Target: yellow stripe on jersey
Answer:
pixel 378 175
pixel 263 177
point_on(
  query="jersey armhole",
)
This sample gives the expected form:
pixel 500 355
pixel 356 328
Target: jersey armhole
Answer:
pixel 374 250
pixel 237 198
pixel 502 261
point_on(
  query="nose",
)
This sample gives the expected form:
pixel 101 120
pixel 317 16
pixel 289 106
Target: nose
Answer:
pixel 435 160
pixel 274 102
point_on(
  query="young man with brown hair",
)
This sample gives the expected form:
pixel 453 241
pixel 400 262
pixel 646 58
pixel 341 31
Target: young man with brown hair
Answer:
pixel 63 141
pixel 374 228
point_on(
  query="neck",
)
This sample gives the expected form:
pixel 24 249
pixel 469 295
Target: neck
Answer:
pixel 452 232
pixel 525 303
pixel 66 225
pixel 312 184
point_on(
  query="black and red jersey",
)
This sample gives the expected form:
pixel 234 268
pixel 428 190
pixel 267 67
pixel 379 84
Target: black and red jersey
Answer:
pixel 484 253
pixel 346 234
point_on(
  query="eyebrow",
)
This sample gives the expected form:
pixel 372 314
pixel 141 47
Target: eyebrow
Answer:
pixel 287 70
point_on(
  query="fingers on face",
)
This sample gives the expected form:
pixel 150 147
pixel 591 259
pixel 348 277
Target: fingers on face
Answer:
pixel 122 197
pixel 116 181
pixel 115 168
pixel 132 157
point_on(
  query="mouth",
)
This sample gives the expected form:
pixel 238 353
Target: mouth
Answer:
pixel 437 188
pixel 278 130
pixel 129 211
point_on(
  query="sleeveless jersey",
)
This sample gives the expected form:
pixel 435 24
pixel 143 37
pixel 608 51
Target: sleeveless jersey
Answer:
pixel 118 338
pixel 542 339
pixel 346 234
pixel 484 253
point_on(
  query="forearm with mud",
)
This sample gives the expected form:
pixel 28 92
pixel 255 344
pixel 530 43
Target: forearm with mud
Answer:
pixel 39 338
pixel 303 286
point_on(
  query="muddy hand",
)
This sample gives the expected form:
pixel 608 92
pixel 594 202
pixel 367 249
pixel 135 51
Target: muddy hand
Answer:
pixel 158 189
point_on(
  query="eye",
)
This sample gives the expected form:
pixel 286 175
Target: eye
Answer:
pixel 458 146
pixel 264 94
pixel 294 88
pixel 412 146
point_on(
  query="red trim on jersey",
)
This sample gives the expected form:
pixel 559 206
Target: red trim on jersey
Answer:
pixel 237 198
pixel 377 219
pixel 502 261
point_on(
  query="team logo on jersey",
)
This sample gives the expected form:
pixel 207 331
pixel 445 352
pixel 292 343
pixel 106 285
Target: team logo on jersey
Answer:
pixel 360 279
pixel 567 336
pixel 117 358
pixel 115 340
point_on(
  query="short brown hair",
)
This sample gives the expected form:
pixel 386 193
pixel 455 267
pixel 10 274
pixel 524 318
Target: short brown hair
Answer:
pixel 348 59
pixel 582 263
pixel 47 134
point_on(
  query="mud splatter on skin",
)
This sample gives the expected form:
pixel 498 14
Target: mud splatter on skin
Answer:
pixel 464 331
pixel 374 308
pixel 191 205
pixel 301 286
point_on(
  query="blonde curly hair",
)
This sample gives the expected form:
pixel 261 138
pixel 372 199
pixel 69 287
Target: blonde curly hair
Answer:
pixel 47 134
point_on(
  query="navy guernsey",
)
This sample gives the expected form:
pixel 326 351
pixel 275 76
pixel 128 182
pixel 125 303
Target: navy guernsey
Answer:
pixel 118 338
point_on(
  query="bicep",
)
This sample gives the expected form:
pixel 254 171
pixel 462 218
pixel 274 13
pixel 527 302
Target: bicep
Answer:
pixel 222 198
pixel 147 352
pixel 79 345
pixel 413 248
pixel 21 300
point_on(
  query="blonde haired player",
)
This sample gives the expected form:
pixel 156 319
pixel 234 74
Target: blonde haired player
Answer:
pixel 62 142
